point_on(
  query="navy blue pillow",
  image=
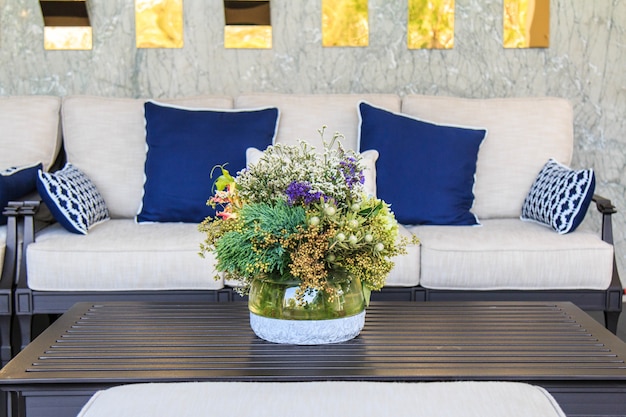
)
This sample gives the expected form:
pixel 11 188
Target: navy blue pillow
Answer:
pixel 425 171
pixel 15 183
pixel 184 145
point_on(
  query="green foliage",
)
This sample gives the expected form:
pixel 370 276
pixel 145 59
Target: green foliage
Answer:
pixel 297 214
pixel 257 245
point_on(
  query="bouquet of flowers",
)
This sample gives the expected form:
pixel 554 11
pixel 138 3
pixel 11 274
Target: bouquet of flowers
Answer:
pixel 304 215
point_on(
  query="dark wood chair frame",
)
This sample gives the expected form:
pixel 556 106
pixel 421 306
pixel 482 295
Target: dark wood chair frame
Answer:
pixel 7 281
pixel 28 302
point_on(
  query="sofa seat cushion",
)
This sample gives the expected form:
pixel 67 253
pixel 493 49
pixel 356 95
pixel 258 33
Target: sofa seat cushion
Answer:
pixel 514 255
pixel 105 137
pixel 120 255
pixel 324 398
pixel 523 134
pixel 302 115
pixel 30 130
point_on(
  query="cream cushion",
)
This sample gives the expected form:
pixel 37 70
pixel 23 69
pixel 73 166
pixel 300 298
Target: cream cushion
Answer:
pixel 30 130
pixel 120 255
pixel 106 139
pixel 513 255
pixel 523 133
pixel 325 398
pixel 302 115
pixel 369 170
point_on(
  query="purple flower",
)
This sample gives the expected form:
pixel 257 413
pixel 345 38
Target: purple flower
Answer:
pixel 301 192
pixel 348 168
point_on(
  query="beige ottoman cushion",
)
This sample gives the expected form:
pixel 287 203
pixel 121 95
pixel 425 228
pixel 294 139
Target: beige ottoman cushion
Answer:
pixel 330 399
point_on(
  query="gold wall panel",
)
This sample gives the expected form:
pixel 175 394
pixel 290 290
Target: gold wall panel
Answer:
pixel 431 24
pixel 247 24
pixel 159 23
pixel 66 25
pixel 67 37
pixel 345 23
pixel 526 24
pixel 241 36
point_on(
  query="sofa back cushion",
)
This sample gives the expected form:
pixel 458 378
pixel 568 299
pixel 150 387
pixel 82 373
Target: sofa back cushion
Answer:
pixel 302 115
pixel 523 133
pixel 29 130
pixel 106 139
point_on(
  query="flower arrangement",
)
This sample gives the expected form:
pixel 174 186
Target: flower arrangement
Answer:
pixel 297 213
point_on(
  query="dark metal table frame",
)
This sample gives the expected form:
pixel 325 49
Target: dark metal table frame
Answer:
pixel 99 345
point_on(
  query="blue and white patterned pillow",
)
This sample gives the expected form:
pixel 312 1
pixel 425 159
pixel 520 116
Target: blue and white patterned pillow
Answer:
pixel 72 199
pixel 559 197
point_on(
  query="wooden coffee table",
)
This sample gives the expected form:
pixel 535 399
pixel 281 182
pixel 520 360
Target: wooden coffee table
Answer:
pixel 96 346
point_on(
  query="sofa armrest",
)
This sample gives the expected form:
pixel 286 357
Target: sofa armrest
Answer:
pixel 616 288
pixel 7 270
pixel 26 214
pixel 607 209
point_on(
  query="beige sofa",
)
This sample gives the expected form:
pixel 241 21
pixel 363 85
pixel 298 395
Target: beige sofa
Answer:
pixel 502 259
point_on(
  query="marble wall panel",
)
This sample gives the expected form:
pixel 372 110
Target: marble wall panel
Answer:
pixel 584 63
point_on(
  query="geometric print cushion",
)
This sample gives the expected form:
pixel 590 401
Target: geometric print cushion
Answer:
pixel 72 198
pixel 559 197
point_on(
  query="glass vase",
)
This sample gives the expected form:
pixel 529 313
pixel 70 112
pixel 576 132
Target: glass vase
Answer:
pixel 278 314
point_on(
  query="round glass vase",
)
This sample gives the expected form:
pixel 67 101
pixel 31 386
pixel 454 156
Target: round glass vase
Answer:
pixel 318 317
